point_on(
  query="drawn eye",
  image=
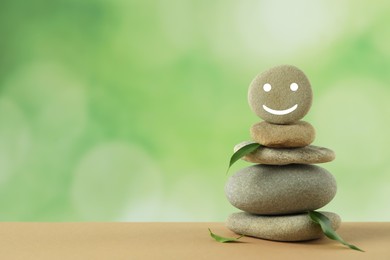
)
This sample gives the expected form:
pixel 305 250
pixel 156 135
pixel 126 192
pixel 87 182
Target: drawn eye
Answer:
pixel 294 86
pixel 267 87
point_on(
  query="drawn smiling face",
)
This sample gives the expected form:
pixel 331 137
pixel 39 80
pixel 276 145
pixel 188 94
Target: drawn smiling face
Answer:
pixel 281 95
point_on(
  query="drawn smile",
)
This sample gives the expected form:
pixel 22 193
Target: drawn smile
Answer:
pixel 280 112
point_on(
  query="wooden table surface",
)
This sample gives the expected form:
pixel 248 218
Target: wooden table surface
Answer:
pixel 117 241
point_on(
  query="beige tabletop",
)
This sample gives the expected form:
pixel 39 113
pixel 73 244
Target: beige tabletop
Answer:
pixel 177 241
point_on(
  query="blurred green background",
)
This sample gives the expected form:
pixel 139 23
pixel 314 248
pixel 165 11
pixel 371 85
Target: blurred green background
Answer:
pixel 129 110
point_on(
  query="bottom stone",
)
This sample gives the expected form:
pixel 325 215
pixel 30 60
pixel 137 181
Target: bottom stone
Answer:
pixel 297 227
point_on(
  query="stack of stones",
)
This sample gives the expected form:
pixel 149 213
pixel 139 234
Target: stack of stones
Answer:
pixel 277 192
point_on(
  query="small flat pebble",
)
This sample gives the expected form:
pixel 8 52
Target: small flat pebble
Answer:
pixel 298 134
pixel 310 154
pixel 279 228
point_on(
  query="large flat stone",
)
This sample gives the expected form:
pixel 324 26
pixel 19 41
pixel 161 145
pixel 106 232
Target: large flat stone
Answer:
pixel 276 190
pixel 310 154
pixel 279 228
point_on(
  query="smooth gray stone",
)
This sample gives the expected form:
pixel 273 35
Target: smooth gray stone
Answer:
pixel 276 190
pixel 279 228
pixel 298 134
pixel 280 104
pixel 310 154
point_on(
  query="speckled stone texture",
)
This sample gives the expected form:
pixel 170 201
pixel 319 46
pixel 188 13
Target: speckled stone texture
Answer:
pixel 276 190
pixel 277 193
pixel 282 156
pixel 298 134
pixel 280 228
pixel 280 97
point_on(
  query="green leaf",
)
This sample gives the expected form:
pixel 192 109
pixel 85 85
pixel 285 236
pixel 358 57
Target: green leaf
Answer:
pixel 246 149
pixel 224 239
pixel 326 227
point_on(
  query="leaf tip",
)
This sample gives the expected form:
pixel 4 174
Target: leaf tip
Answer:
pixel 223 239
pixel 325 224
pixel 243 151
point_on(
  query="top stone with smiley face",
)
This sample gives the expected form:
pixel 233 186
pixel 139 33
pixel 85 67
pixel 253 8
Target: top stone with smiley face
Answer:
pixel 280 95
